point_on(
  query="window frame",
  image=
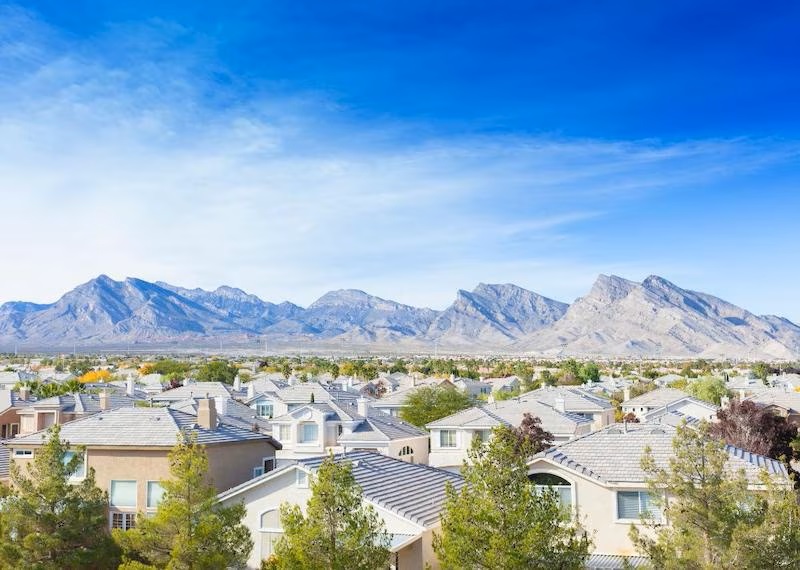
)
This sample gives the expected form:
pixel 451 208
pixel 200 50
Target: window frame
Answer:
pixel 135 494
pixel 302 440
pixel 147 505
pixel 23 453
pixel 77 476
pixel 452 432
pixel 128 519
pixel 265 403
pixel 644 508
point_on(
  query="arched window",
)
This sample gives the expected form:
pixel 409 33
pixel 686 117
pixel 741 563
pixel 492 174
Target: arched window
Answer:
pixel 557 484
pixel 407 453
pixel 270 530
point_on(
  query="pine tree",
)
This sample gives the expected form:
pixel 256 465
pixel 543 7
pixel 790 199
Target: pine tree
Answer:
pixel 48 522
pixel 706 503
pixel 190 530
pixel 499 520
pixel 338 532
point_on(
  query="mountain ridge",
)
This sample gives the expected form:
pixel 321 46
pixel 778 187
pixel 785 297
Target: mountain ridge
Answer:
pixel 617 317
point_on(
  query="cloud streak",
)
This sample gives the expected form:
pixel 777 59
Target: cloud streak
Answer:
pixel 160 164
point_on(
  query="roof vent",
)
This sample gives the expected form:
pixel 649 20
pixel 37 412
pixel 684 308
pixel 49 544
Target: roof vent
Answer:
pixel 614 431
pixel 657 431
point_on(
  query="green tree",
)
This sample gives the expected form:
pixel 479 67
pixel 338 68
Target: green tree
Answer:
pixel 217 371
pixel 338 531
pixel 762 370
pixel 706 504
pixel 775 541
pixel 48 522
pixel 498 519
pixel 190 530
pixel 589 372
pixel 431 403
pixel 709 389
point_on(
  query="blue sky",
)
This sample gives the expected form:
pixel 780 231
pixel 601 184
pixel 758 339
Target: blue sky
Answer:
pixel 406 149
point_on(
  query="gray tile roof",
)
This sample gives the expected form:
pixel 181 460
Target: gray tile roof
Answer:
pixel 510 412
pixel 656 398
pixel 141 427
pixel 301 394
pixel 397 398
pixel 81 403
pixel 784 398
pixel 231 413
pixel 415 492
pixel 575 399
pixel 614 454
pixel 195 389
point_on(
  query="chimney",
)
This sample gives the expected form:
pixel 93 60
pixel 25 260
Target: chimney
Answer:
pixel 741 394
pixel 185 382
pixel 251 390
pixel 221 405
pixel 626 394
pixel 725 402
pixel 206 414
pixel 559 405
pixel 237 383
pixel 24 393
pixel 129 386
pixel 363 408
pixel 105 403
pixel 490 399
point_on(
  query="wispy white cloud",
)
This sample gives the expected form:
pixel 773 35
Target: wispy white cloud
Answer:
pixel 149 166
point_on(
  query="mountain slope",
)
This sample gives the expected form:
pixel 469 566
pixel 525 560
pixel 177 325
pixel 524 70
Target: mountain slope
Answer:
pixel 658 318
pixel 494 315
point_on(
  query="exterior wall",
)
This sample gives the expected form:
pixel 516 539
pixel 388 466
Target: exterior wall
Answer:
pixel 231 464
pixel 596 507
pixel 9 423
pixel 449 456
pixel 418 444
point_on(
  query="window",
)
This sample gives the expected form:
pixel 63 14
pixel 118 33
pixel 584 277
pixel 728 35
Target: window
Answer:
pixel 23 453
pixel 632 505
pixel 302 478
pixel 264 409
pixel 268 464
pixel 284 433
pixel 258 472
pixel 561 486
pixel 447 438
pixel 123 494
pixel 270 531
pixel 155 493
pixel 80 471
pixel 483 434
pixel 309 433
pixel 123 521
pixel 407 453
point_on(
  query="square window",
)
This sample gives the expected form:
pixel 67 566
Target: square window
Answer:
pixel 447 438
pixel 80 471
pixel 310 433
pixel 284 433
pixel 123 494
pixel 264 409
pixel 123 521
pixel 632 505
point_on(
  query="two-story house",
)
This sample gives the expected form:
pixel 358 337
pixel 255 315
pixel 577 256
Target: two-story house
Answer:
pixel 600 478
pixel 407 497
pixel 642 405
pixel 128 448
pixel 451 437
pixel 341 426
pixel 576 400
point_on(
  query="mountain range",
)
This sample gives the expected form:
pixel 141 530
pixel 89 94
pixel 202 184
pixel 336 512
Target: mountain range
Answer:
pixel 617 318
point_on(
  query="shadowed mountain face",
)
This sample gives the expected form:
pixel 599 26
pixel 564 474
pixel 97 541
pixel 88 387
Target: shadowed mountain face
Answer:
pixel 617 318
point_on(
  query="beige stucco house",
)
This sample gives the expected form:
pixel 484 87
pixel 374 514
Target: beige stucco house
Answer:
pixel 408 497
pixel 451 437
pixel 599 476
pixel 128 449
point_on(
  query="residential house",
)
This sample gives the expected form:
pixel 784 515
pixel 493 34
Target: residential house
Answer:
pixel 507 384
pixel 42 414
pixel 193 390
pixel 642 405
pixel 128 449
pixel 688 409
pixel 600 478
pixel 345 425
pixel 781 401
pixel 451 437
pixel 575 401
pixel 407 497
pixel 473 388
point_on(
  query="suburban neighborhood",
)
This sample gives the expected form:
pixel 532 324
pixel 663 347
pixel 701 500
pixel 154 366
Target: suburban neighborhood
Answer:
pixel 410 444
